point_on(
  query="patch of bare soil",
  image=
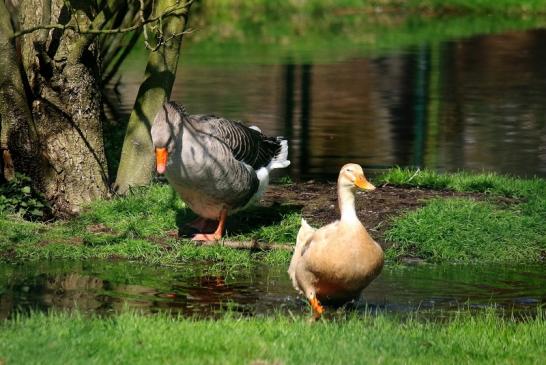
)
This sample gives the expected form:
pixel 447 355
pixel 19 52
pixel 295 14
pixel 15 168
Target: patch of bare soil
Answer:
pixel 375 209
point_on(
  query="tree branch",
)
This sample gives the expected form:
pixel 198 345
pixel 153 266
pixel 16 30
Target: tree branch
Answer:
pixel 175 11
pixel 85 39
pixel 111 71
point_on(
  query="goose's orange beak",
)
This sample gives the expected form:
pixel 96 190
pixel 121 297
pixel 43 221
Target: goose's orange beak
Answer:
pixel 161 155
pixel 364 184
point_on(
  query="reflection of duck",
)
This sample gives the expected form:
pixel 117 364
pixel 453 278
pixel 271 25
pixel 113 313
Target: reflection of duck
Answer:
pixel 216 165
pixel 337 261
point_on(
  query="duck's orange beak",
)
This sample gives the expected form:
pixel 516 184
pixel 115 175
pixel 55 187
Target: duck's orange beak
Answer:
pixel 364 184
pixel 161 155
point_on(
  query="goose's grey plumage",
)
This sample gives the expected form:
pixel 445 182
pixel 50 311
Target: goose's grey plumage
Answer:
pixel 214 163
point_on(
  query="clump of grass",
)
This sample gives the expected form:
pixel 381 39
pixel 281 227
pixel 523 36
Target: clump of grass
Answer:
pixel 487 182
pixel 144 212
pixel 284 230
pixel 60 338
pixel 466 230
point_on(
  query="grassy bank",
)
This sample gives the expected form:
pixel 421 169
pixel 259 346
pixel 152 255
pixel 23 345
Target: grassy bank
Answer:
pixel 237 33
pixel 507 226
pixel 242 32
pixel 75 339
pixel 140 226
pixel 218 7
pixel 504 222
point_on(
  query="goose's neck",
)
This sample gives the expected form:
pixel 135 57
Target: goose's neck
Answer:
pixel 346 199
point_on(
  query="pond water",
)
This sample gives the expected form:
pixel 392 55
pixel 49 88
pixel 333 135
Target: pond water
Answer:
pixel 475 104
pixel 108 287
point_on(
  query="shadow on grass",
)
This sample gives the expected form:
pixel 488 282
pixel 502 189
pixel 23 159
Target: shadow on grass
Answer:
pixel 243 223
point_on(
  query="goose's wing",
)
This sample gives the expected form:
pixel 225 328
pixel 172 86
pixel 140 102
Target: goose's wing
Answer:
pixel 247 144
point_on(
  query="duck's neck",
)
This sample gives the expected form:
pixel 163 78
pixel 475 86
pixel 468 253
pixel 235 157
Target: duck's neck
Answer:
pixel 346 198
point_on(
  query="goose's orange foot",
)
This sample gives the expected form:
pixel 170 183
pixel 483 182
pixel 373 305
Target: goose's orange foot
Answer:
pixel 317 308
pixel 217 233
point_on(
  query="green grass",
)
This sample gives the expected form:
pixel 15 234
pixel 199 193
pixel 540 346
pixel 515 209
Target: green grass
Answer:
pixel 129 338
pixel 237 32
pixel 464 229
pixel 487 182
pixel 140 226
pixel 479 6
pixel 234 33
pixel 319 6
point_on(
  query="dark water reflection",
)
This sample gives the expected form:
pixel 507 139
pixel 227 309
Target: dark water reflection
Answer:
pixel 476 104
pixel 109 287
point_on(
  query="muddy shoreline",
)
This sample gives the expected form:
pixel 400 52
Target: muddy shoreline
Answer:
pixel 318 202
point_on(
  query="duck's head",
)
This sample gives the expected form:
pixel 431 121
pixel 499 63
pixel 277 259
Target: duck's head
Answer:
pixel 165 130
pixel 352 176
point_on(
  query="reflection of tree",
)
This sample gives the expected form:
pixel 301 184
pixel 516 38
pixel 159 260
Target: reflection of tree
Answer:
pixel 496 92
pixel 305 117
pixel 434 105
pixel 442 105
pixel 71 291
pixel 302 145
pixel 288 105
pixel 419 102
pixel 61 291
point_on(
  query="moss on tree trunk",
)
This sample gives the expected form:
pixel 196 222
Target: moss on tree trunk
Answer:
pixel 137 157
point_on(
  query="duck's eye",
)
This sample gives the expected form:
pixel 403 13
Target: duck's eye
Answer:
pixel 349 170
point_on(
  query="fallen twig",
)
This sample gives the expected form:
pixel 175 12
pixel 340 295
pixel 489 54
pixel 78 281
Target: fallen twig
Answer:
pixel 247 245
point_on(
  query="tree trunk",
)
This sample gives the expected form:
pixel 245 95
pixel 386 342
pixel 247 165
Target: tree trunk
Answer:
pixel 61 147
pixel 14 109
pixel 137 158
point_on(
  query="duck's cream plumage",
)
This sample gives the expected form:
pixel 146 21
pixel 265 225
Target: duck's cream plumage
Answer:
pixel 336 262
pixel 217 166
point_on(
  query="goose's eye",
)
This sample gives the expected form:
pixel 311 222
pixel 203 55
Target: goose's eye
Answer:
pixel 349 170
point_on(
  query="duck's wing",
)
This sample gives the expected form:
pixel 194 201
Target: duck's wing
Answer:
pixel 247 144
pixel 305 236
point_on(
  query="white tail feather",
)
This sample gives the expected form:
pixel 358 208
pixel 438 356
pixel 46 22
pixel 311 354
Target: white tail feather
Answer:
pixel 281 160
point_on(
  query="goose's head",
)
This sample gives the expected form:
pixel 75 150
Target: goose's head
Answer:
pixel 165 130
pixel 352 176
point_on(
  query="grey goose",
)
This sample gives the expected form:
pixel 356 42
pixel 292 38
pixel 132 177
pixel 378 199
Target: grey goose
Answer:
pixel 217 166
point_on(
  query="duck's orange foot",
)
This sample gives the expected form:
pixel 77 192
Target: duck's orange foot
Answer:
pixel 317 308
pixel 206 237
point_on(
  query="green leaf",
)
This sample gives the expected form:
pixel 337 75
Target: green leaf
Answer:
pixel 37 213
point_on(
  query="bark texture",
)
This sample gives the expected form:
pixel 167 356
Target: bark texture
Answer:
pixel 14 110
pixel 62 146
pixel 137 158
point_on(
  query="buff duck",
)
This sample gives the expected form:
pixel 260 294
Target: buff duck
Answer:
pixel 217 166
pixel 336 262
